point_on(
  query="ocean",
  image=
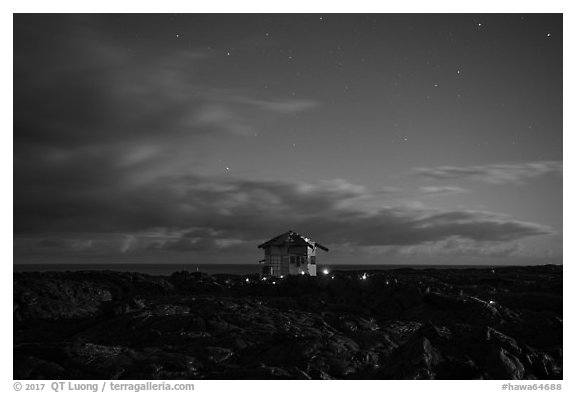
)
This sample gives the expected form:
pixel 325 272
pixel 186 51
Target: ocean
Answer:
pixel 167 269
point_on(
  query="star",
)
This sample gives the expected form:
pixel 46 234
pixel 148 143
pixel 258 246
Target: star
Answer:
pixel 227 168
pixel 479 24
pixel 548 35
pixel 458 72
pixel 177 35
pixel 435 84
pixel 227 53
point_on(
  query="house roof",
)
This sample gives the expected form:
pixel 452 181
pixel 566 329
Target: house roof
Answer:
pixel 291 238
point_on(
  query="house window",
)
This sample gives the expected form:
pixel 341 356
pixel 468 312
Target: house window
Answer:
pixel 275 263
pixel 297 260
pixel 313 260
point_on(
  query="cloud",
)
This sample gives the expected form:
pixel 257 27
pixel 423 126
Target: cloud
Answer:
pixel 451 247
pixel 237 112
pixel 60 243
pixel 199 244
pixel 106 142
pixel 92 96
pixel 97 124
pixel 442 190
pixel 185 245
pixel 200 213
pixel 495 173
pixel 284 105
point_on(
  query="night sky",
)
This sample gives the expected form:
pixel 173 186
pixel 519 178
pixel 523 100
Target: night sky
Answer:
pixel 194 138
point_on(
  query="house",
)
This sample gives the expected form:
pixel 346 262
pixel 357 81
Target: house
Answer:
pixel 290 253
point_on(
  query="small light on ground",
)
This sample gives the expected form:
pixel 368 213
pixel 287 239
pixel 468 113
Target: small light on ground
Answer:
pixel 282 276
pixel 302 273
pixel 325 271
pixel 247 280
pixel 364 277
pixel 492 302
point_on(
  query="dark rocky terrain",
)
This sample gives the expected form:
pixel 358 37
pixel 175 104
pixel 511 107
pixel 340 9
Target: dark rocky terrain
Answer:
pixel 504 323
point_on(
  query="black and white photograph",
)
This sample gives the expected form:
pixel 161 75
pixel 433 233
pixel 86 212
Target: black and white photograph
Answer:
pixel 288 196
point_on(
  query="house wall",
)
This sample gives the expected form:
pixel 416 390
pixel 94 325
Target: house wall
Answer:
pixel 280 259
pixel 312 270
pixel 311 252
pixel 311 261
